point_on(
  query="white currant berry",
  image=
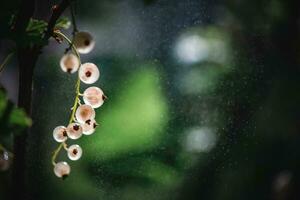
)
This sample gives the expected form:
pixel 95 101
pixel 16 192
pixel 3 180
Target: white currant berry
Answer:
pixel 62 169
pixel 89 127
pixel 60 134
pixel 74 131
pixel 84 42
pixel 74 152
pixel 84 112
pixel 89 73
pixel 94 97
pixel 69 63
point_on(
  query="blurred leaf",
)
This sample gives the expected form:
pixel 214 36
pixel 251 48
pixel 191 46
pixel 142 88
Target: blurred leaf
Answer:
pixel 19 118
pixel 12 119
pixel 134 119
pixel 159 173
pixel 36 27
pixel 63 23
pixel 2 102
pixel 39 26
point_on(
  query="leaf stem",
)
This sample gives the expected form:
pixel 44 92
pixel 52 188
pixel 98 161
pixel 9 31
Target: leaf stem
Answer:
pixel 55 153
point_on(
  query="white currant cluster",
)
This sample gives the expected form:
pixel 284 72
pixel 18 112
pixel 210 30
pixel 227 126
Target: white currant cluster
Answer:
pixel 82 120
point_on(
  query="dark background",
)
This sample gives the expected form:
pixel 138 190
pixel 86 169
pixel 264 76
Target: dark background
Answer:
pixel 203 102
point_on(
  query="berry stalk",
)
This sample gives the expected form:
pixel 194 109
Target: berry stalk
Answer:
pixel 82 119
pixel 77 93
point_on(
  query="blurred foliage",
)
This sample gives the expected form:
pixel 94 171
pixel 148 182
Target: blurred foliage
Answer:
pixel 36 29
pixel 135 121
pixel 245 90
pixel 13 120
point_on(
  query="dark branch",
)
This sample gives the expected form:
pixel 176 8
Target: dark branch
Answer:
pixel 27 58
pixel 57 12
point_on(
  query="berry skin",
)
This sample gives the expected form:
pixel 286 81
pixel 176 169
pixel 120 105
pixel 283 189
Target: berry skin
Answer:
pixel 74 131
pixel 84 113
pixel 60 134
pixel 94 97
pixel 62 169
pixel 89 127
pixel 69 63
pixel 84 42
pixel 74 152
pixel 89 73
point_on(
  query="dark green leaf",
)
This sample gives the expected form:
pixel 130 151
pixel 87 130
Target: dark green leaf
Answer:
pixel 19 118
pixel 63 23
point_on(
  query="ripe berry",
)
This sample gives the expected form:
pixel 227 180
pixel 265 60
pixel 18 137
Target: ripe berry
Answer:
pixel 89 73
pixel 60 134
pixel 94 97
pixel 74 131
pixel 89 127
pixel 69 63
pixel 84 42
pixel 62 169
pixel 74 152
pixel 84 112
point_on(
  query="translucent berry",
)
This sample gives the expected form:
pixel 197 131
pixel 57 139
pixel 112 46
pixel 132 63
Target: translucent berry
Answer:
pixel 74 152
pixel 60 134
pixel 94 97
pixel 84 112
pixel 84 42
pixel 89 73
pixel 69 63
pixel 89 126
pixel 74 131
pixel 62 169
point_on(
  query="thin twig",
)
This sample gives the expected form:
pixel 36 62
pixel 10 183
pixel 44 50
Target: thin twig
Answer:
pixel 6 60
pixel 75 30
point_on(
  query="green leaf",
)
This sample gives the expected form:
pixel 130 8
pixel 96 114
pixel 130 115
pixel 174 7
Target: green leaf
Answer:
pixel 19 118
pixel 12 119
pixel 63 23
pixel 36 27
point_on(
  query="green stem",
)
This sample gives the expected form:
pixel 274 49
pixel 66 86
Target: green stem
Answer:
pixel 77 94
pixel 58 33
pixel 8 57
pixel 55 153
pixel 75 101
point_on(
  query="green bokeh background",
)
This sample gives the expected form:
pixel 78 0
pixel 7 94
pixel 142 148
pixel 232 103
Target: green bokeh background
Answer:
pixel 178 124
